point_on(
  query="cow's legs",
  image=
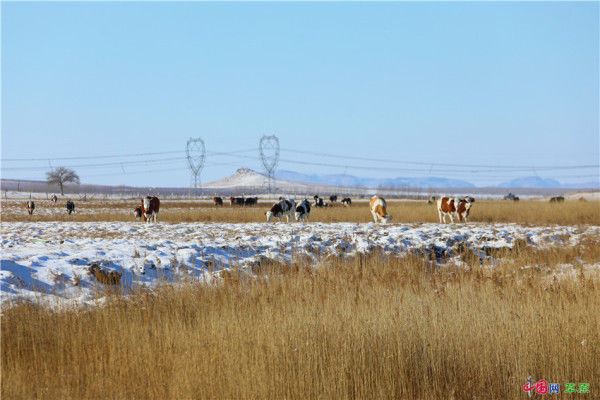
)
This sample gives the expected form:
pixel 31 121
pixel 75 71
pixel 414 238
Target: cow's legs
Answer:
pixel 442 217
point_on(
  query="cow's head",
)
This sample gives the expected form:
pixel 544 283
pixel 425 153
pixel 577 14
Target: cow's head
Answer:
pixel 146 204
pixel 270 216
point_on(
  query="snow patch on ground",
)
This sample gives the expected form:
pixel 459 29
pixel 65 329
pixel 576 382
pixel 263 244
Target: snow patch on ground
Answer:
pixel 50 260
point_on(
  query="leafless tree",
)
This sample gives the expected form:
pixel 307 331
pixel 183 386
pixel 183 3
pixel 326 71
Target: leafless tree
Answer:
pixel 60 176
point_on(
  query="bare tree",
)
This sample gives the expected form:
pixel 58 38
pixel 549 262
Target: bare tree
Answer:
pixel 60 176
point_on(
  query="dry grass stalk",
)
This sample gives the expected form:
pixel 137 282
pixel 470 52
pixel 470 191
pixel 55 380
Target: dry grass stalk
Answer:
pixel 367 327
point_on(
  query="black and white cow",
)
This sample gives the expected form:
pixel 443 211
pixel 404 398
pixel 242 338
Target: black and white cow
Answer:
pixel 303 211
pixel 30 207
pixel 318 201
pixel 283 208
pixel 347 201
pixel 70 207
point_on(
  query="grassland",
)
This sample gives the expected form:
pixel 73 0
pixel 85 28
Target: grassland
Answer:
pixel 367 327
pixel 523 212
pixel 363 327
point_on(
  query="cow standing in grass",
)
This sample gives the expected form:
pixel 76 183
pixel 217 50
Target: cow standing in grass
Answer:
pixel 250 201
pixel 303 211
pixel 30 207
pixel 454 207
pixel 379 209
pixel 283 208
pixel 347 201
pixel 70 207
pixel 318 201
pixel 236 201
pixel 218 201
pixel 150 207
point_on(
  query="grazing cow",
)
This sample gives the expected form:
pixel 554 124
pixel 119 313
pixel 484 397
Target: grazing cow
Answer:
pixel 347 201
pixel 284 208
pixel 250 201
pixel 218 201
pixel 464 207
pixel 454 207
pixel 137 212
pixel 150 207
pixel 236 201
pixel 30 207
pixel 431 199
pixel 379 209
pixel 557 199
pixel 70 207
pixel 53 198
pixel 333 198
pixel 318 201
pixel 303 211
pixel 511 196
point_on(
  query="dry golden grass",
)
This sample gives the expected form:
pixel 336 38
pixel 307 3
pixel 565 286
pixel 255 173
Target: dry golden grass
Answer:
pixel 367 327
pixel 523 212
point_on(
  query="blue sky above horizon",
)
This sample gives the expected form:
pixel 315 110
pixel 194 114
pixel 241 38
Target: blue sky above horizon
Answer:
pixel 485 85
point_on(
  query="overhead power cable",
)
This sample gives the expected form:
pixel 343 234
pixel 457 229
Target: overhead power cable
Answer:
pixel 441 164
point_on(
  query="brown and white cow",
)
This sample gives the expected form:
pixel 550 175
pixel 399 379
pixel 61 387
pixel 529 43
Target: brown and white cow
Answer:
pixel 53 198
pixel 30 207
pixel 150 207
pixel 379 209
pixel 454 207
pixel 284 208
pixel 218 201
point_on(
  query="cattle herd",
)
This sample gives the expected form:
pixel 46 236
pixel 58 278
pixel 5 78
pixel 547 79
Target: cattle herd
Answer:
pixel 30 205
pixel 453 207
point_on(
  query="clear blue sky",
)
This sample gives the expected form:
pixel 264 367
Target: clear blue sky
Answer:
pixel 462 83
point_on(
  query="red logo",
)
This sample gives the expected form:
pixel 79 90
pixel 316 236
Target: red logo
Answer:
pixel 540 387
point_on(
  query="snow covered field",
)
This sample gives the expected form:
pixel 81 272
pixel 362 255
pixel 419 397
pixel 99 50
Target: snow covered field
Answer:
pixel 50 260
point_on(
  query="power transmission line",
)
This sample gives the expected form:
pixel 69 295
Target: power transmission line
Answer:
pixel 441 164
pixel 121 155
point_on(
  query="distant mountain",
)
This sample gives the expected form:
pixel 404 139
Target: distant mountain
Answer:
pixel 248 179
pixel 531 182
pixel 351 180
pixel 536 182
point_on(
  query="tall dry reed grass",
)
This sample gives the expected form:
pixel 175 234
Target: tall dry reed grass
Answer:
pixel 367 327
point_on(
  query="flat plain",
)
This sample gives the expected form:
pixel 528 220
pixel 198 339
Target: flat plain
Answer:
pixel 217 303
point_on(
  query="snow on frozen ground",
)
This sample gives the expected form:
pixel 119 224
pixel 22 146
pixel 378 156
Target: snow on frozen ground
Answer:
pixel 50 260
